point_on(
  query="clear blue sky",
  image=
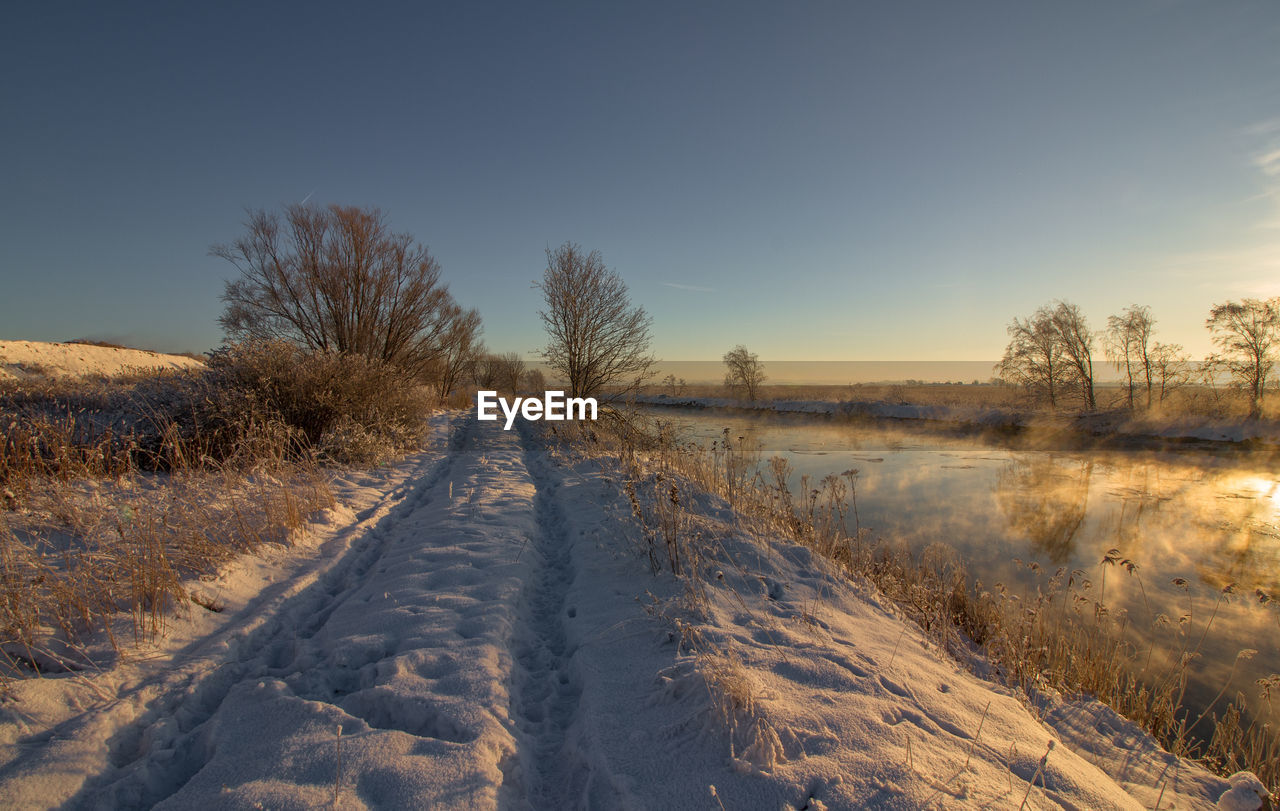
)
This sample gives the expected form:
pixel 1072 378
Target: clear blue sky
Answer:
pixel 817 180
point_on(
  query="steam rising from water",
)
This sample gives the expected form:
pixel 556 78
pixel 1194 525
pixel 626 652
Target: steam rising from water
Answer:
pixel 1212 517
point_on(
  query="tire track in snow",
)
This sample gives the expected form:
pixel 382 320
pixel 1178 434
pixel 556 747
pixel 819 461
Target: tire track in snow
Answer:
pixel 157 753
pixel 547 687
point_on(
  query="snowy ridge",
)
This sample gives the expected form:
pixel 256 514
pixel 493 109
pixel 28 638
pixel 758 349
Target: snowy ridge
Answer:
pixel 23 360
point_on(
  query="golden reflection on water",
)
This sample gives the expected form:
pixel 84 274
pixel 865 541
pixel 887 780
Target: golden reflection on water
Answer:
pixel 1210 517
pixel 1217 522
pixel 1045 501
pixel 1207 520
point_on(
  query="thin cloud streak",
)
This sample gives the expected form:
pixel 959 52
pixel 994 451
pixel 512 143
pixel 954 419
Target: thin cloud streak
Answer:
pixel 693 288
pixel 1269 163
pixel 1268 126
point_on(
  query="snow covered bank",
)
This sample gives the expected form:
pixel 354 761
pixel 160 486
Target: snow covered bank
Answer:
pixel 1110 424
pixel 23 360
pixel 487 634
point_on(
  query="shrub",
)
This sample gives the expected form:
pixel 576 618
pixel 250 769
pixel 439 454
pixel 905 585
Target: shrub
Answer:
pixel 352 408
pixel 255 404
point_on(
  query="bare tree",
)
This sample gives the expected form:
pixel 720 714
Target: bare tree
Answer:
pixel 534 380
pixel 596 339
pixel 336 279
pixel 512 371
pixel 1128 346
pixel 1049 351
pixel 1033 357
pixel 1169 367
pixel 1077 349
pixel 500 372
pixel 460 346
pixel 1248 333
pixel 484 371
pixel 744 372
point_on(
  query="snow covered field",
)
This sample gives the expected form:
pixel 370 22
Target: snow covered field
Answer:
pixel 476 628
pixel 23 360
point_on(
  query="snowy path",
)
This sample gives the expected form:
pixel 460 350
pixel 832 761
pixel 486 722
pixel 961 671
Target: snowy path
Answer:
pixel 547 686
pixel 402 641
pixel 479 638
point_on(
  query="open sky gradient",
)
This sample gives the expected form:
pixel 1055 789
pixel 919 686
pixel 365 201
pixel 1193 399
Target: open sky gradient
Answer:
pixel 817 180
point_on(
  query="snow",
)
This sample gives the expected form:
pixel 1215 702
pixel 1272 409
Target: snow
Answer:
pixel 1246 793
pixel 477 628
pixel 36 359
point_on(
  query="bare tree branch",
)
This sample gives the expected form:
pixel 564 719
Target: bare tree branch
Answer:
pixel 1033 357
pixel 1049 351
pixel 336 279
pixel 745 371
pixel 596 339
pixel 1077 348
pixel 1248 332
pixel 1128 346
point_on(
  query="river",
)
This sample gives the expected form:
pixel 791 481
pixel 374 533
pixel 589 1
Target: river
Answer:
pixel 1194 520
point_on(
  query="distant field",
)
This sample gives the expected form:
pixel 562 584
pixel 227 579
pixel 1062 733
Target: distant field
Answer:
pixel 923 394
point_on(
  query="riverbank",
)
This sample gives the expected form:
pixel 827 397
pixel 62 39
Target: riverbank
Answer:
pixel 1108 544
pixel 1109 428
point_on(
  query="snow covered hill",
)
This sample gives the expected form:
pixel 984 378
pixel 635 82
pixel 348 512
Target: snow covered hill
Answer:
pixel 37 359
pixel 478 630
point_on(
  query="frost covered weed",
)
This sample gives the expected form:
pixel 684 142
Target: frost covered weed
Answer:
pixel 1044 759
pixel 89 531
pixel 754 742
pixel 351 408
pixel 348 442
pixel 1063 637
pixel 80 555
pixel 253 402
pixel 1056 634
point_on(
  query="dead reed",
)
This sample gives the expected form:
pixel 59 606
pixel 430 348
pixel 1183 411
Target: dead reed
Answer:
pixel 1053 633
pixel 116 496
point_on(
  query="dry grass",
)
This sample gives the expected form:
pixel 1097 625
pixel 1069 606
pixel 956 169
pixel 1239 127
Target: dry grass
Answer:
pixel 253 402
pixel 754 741
pixel 1055 634
pixel 80 554
pixel 115 496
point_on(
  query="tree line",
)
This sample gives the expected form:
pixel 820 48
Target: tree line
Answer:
pixel 336 279
pixel 1051 353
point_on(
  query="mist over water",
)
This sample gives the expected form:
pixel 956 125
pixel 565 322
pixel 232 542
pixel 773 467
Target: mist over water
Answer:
pixel 1209 516
pixel 851 372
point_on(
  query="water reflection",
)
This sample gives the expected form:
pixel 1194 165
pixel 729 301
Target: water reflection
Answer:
pixel 1209 516
pixel 1045 500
